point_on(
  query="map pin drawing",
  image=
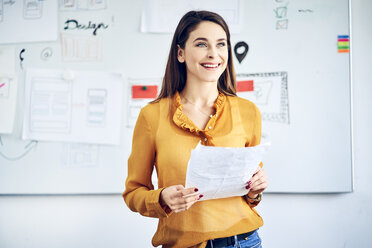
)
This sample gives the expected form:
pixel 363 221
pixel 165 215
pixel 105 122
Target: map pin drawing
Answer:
pixel 241 55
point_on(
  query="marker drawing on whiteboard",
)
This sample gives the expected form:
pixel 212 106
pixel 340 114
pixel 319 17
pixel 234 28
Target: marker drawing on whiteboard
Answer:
pixel 46 53
pixel 240 55
pixel 21 57
pixel 1 85
pixel 72 24
pixel 28 147
pixel 305 10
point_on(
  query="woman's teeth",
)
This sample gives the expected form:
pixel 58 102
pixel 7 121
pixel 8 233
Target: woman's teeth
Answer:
pixel 210 65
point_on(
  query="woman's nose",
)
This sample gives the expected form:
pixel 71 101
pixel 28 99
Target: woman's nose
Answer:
pixel 212 52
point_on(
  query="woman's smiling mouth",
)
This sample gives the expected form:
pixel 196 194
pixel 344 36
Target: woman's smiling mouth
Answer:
pixel 210 66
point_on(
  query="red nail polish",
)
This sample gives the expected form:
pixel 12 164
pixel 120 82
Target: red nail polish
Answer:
pixel 200 196
pixel 196 190
pixel 247 187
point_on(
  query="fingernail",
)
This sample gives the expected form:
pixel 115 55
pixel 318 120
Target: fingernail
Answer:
pixel 200 196
pixel 196 190
pixel 247 187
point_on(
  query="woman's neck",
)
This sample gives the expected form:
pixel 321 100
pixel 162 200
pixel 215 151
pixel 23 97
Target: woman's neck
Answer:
pixel 200 93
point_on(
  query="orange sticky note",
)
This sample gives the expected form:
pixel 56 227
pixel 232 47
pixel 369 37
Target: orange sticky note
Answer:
pixel 144 91
pixel 244 86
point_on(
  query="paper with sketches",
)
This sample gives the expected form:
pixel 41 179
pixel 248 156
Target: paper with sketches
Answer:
pixel 140 93
pixel 77 106
pixel 220 172
pixel 28 21
pixel 8 89
pixel 161 16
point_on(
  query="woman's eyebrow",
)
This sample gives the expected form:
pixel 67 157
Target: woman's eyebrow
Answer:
pixel 205 39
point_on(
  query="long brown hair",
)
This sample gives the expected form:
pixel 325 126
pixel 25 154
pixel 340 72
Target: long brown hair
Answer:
pixel 175 73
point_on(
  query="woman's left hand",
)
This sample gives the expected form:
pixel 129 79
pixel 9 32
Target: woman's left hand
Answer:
pixel 258 183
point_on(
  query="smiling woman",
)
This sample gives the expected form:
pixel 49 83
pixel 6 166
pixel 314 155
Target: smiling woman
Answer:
pixel 205 53
pixel 197 103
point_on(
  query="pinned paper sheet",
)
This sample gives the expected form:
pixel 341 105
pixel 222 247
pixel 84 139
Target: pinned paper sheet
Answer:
pixel 73 106
pixel 141 92
pixel 161 16
pixel 8 89
pixel 221 172
pixel 28 21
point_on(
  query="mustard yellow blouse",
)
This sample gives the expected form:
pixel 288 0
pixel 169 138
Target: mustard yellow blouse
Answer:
pixel 163 139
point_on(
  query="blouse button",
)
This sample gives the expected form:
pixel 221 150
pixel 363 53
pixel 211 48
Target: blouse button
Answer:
pixel 205 139
pixel 210 127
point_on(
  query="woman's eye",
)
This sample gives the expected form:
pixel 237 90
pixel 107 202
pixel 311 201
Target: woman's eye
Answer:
pixel 201 44
pixel 221 44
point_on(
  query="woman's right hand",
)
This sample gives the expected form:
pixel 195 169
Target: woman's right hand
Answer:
pixel 177 199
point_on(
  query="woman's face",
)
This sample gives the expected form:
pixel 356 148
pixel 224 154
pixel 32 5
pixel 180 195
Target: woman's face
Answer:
pixel 205 53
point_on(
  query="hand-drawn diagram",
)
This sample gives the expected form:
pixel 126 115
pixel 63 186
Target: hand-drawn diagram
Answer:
pixel 140 93
pixel 96 109
pixel 32 9
pixel 72 106
pixel 281 16
pixel 12 145
pixel 80 48
pixel 78 5
pixel 80 155
pixel 50 106
pixel 269 91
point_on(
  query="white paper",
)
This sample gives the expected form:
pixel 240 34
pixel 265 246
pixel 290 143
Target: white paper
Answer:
pixel 77 106
pixel 162 16
pixel 78 5
pixel 28 21
pixel 135 105
pixel 8 89
pixel 220 172
pixel 81 48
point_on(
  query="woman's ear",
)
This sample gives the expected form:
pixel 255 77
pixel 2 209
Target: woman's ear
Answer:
pixel 180 54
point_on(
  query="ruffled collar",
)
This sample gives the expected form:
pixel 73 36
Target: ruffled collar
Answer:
pixel 183 121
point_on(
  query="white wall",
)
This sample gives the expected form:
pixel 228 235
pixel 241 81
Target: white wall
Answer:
pixel 328 220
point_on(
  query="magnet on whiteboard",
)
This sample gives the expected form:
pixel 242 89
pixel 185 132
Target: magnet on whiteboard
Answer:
pixel 68 75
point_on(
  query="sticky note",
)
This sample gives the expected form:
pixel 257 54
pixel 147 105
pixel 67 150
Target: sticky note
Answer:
pixel 144 91
pixel 244 86
pixel 343 44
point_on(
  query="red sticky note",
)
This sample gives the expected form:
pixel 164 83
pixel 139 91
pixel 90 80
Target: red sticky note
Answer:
pixel 144 91
pixel 244 86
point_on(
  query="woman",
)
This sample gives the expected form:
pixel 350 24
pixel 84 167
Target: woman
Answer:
pixel 197 103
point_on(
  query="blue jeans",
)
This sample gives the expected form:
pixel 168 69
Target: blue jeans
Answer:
pixel 253 241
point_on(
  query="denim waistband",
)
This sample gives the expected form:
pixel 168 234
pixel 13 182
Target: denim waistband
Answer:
pixel 222 242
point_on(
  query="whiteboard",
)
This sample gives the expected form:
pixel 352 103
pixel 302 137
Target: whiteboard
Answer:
pixel 293 51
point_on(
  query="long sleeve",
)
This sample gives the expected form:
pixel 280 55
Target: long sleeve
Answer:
pixel 255 130
pixel 139 193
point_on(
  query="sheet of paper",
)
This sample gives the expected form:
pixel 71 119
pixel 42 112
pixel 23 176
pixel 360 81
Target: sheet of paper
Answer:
pixel 8 89
pixel 28 21
pixel 162 16
pixel 221 172
pixel 140 91
pixel 73 106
